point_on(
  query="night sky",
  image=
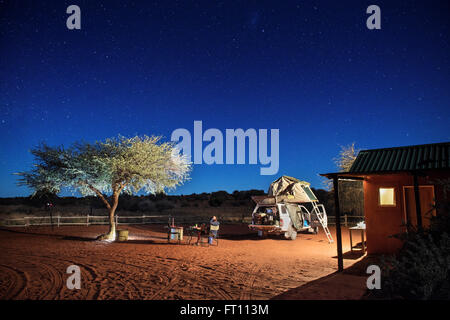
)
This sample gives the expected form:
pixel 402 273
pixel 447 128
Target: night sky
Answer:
pixel 309 68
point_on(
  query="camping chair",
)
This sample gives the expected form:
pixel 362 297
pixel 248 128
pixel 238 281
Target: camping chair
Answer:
pixel 216 235
pixel 193 235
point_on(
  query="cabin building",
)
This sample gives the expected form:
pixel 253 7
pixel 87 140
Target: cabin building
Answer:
pixel 402 186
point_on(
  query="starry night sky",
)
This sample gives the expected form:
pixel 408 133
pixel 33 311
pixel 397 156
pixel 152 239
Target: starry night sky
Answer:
pixel 310 68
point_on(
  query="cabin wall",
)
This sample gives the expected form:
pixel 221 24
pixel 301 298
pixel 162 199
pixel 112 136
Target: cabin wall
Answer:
pixel 383 222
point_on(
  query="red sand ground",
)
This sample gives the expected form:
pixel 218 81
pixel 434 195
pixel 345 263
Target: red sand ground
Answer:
pixel 33 264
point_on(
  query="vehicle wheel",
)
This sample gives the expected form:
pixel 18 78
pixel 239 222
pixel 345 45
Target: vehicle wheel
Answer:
pixel 291 233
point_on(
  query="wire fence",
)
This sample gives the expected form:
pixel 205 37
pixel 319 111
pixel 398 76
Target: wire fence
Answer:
pixel 80 220
pixel 87 220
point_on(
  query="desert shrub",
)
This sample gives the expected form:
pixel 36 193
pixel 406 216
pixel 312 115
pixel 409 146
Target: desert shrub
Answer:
pixel 420 271
pixel 235 203
pixel 185 204
pixel 96 203
pixel 439 224
pixel 132 205
pixel 241 203
pixel 128 203
pixel 215 202
pixel 223 195
pixel 157 196
pixel 218 198
pixel 164 204
pixel 247 195
pixel 39 199
pixel 23 209
pixel 146 205
pixel 199 197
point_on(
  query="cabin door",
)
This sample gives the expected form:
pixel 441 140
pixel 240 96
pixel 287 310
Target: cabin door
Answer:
pixel 426 204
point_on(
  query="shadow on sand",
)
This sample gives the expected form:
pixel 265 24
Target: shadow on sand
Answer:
pixel 296 293
pixel 352 255
pixel 31 232
pixel 349 284
pixel 76 238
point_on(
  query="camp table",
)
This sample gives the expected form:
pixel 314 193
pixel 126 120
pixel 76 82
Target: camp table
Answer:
pixel 362 229
pixel 174 233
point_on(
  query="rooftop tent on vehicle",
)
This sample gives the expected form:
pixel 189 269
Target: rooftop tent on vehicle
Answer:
pixel 289 189
pixel 264 200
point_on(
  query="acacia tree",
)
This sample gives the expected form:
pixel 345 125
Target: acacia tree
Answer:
pixel 346 157
pixel 344 161
pixel 350 192
pixel 108 168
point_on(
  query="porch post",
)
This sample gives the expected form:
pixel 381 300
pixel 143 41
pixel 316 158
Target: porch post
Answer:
pixel 417 199
pixel 337 212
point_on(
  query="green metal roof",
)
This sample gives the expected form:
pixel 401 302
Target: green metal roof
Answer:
pixel 409 158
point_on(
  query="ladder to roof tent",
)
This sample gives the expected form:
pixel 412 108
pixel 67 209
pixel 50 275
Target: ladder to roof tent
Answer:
pixel 321 214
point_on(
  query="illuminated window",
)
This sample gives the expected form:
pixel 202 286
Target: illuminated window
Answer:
pixel 387 197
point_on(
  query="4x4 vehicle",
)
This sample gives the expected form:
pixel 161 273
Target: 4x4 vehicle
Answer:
pixel 289 207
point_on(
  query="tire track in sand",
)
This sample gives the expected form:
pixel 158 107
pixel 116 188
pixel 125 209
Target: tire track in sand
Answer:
pixel 45 272
pixel 18 282
pixel 220 292
pixel 175 279
pixel 130 283
pixel 56 278
pixel 249 282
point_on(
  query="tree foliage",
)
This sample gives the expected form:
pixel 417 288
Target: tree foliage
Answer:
pixel 343 161
pixel 128 164
pixel 111 167
pixel 346 157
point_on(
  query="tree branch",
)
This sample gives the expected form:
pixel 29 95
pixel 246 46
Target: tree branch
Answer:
pixel 100 195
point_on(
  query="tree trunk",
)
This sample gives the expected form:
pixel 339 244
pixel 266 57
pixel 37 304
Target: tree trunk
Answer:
pixel 111 235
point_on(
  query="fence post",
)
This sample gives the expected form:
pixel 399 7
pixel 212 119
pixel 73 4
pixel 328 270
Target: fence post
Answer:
pixel 58 220
pixel 345 220
pixel 87 220
pixel 117 220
